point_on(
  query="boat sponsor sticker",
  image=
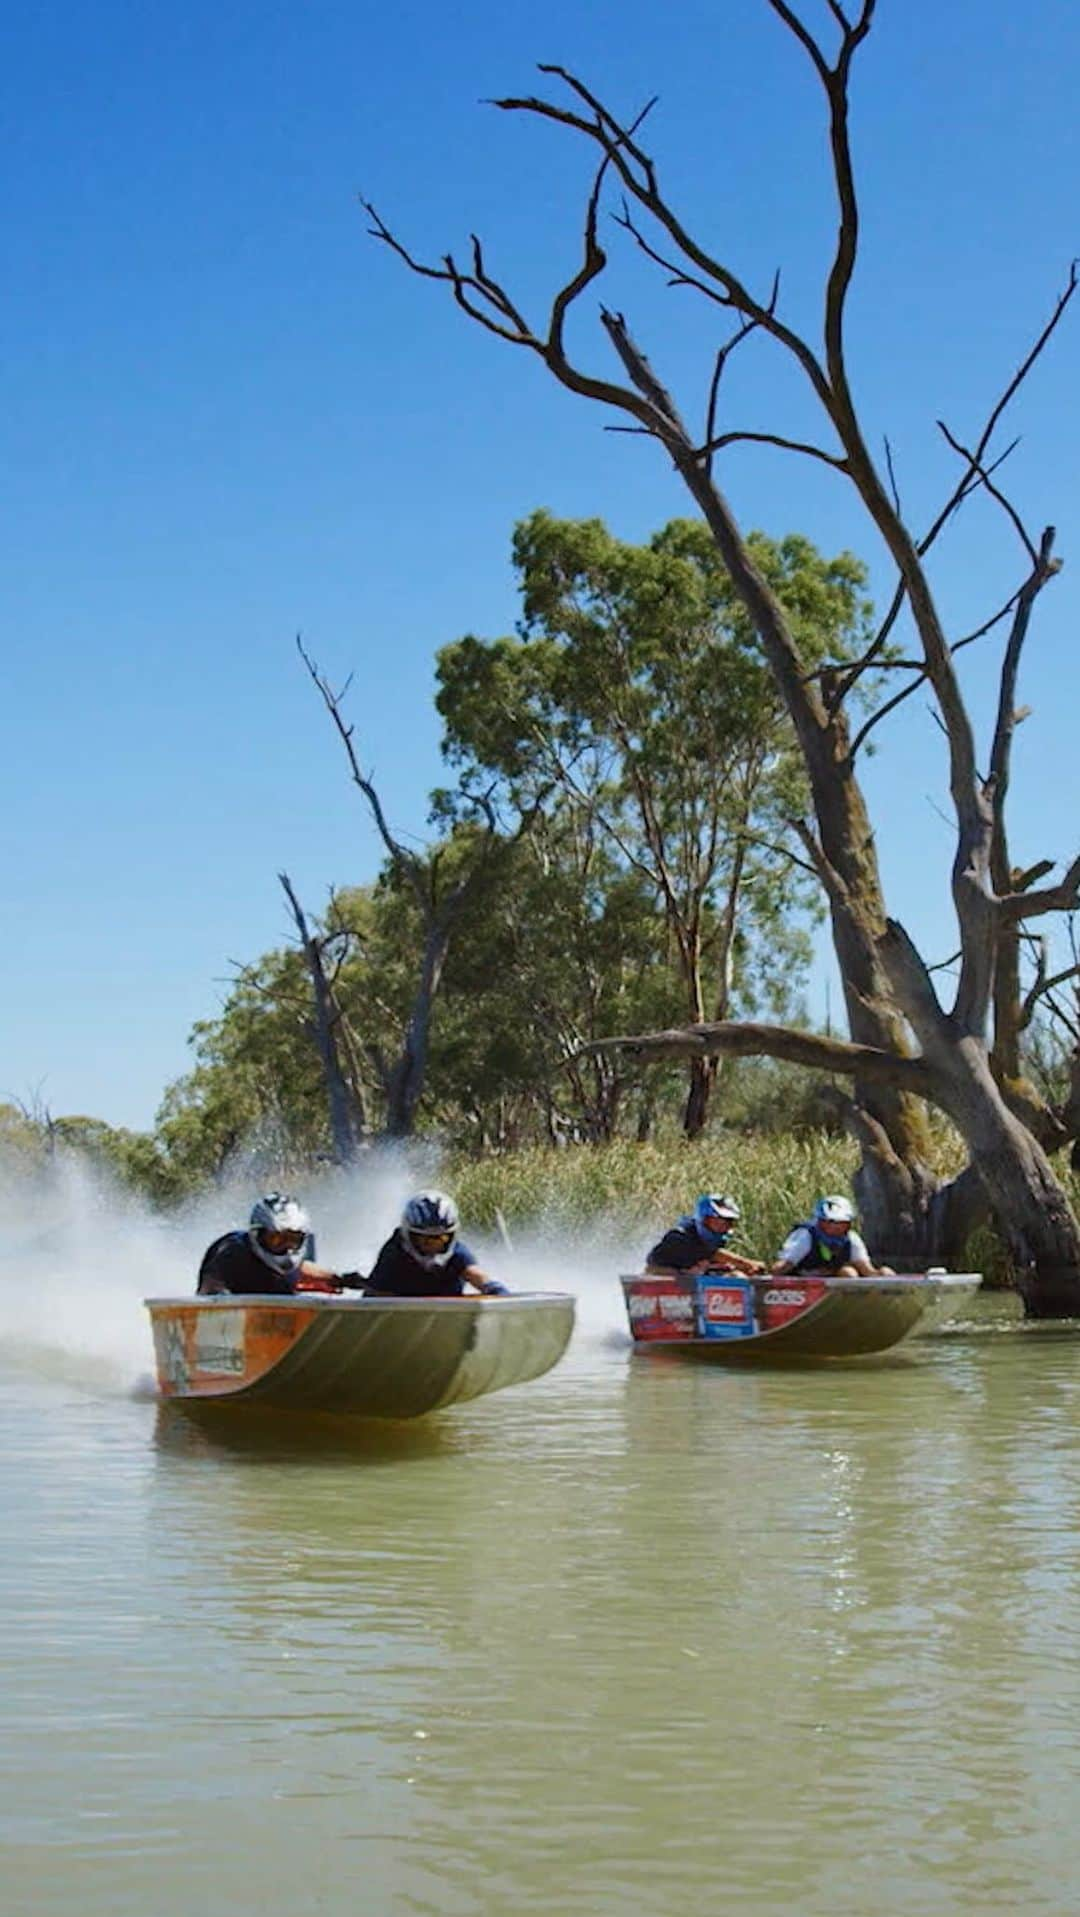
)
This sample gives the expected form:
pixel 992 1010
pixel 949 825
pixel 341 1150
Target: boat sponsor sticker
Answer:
pixel 725 1308
pixel 219 1344
pixel 782 1299
pixel 171 1352
pixel 659 1308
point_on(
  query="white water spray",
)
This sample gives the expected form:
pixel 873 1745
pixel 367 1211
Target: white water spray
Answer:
pixel 80 1253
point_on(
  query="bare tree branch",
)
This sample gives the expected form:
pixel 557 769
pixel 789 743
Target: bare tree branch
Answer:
pixel 1007 507
pixel 1044 566
pixel 750 1040
pixel 1064 897
pixel 771 439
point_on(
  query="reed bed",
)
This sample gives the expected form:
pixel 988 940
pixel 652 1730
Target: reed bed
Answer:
pixel 775 1178
pixel 646 1187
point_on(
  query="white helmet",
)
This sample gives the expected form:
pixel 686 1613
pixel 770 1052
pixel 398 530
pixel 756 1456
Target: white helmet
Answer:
pixel 279 1218
pixel 428 1227
pixel 836 1210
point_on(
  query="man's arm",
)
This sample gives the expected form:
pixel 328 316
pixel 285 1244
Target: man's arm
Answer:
pixel 862 1263
pixel 734 1262
pixel 792 1252
pixel 308 1270
pixel 492 1287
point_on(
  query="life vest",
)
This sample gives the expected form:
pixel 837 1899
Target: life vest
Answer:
pixel 219 1244
pixel 824 1252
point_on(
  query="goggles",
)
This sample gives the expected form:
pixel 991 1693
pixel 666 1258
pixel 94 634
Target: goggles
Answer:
pixel 279 1241
pixel 431 1240
pixel 834 1227
pixel 718 1224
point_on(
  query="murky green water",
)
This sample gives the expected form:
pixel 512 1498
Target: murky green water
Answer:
pixel 637 1638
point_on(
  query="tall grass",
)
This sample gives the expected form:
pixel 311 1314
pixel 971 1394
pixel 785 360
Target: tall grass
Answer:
pixel 647 1187
pixel 774 1176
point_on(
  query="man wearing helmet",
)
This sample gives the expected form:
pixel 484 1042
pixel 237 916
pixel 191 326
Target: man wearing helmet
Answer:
pixel 268 1257
pixel 698 1243
pixel 425 1258
pixel 828 1242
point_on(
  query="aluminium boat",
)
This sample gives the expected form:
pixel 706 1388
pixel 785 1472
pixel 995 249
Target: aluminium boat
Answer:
pixel 734 1319
pixel 369 1357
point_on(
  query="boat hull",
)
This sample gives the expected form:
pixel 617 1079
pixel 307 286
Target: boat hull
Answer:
pixel 732 1321
pixel 368 1357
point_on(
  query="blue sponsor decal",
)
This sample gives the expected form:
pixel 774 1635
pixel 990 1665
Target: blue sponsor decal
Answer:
pixel 725 1308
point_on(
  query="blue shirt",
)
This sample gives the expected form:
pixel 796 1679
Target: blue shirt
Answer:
pixel 398 1272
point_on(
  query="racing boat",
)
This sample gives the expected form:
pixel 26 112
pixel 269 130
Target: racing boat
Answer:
pixel 739 1319
pixel 372 1357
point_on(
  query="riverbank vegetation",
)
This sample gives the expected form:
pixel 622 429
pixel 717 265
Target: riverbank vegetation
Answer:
pixel 913 1044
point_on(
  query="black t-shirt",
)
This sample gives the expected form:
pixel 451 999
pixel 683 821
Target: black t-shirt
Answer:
pixel 230 1264
pixel 396 1271
pixel 680 1248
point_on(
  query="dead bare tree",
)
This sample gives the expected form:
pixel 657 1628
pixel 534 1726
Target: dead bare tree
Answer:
pixel 440 904
pixel 889 992
pixel 346 1107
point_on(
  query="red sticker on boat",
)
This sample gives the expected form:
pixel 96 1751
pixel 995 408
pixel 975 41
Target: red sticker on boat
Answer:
pixel 780 1300
pixel 659 1308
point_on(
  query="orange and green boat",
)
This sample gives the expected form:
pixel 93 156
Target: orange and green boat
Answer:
pixel 369 1357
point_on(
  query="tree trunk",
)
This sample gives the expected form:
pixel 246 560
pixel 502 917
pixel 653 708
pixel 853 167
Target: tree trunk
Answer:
pixel 703 1073
pixel 1028 1202
pixel 346 1117
pixel 897 1189
pixel 406 1083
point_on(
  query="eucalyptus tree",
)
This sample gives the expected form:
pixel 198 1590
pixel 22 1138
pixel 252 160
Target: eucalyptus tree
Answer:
pixel 636 694
pixel 908 1044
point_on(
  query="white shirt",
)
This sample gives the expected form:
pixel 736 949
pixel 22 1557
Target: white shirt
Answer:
pixel 800 1243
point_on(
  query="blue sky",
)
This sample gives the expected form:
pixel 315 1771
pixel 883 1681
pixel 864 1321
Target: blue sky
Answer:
pixel 228 416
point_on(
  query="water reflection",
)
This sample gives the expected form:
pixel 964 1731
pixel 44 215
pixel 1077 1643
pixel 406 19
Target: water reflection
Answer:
pixel 241 1432
pixel 638 1637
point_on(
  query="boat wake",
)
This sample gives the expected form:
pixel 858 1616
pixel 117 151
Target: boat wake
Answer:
pixel 80 1254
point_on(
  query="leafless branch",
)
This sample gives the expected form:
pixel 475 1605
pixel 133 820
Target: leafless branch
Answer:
pixel 723 355
pixel 406 861
pixel 770 439
pixel 975 466
pixel 1044 566
pixel 752 1040
pixel 890 466
pixel 1064 897
pixel 819 863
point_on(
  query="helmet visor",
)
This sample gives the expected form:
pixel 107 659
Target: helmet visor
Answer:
pixel 431 1242
pixel 717 1222
pixel 279 1242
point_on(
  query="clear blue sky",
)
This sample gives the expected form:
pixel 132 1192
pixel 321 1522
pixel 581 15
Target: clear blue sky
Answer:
pixel 228 416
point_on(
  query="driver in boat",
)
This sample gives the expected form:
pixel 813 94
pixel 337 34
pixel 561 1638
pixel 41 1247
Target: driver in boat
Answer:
pixel 828 1242
pixel 425 1258
pixel 698 1243
pixel 268 1256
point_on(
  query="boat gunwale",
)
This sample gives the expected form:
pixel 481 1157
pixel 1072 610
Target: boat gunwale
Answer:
pixel 875 1281
pixel 330 1301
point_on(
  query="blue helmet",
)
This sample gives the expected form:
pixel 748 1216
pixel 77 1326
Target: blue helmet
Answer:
pixel 714 1216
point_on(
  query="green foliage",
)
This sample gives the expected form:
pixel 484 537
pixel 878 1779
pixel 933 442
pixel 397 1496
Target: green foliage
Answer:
pixel 631 748
pixel 633 703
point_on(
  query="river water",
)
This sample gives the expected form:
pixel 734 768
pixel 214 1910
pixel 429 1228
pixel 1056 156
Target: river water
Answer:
pixel 635 1638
